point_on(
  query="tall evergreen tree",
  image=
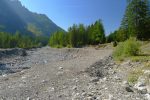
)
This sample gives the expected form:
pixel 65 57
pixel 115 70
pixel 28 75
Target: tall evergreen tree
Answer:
pixel 136 19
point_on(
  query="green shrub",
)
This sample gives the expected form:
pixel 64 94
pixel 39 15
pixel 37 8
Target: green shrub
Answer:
pixel 130 47
pixel 114 43
pixel 118 52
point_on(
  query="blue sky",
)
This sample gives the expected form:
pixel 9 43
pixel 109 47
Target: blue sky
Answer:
pixel 65 13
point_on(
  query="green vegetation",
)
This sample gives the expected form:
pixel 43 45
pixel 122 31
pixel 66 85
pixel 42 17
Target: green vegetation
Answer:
pixel 79 35
pixel 145 52
pixel 140 58
pixel 134 75
pixel 8 40
pixel 23 20
pixel 135 23
pixel 130 47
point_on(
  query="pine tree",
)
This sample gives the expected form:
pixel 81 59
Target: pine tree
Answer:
pixel 136 19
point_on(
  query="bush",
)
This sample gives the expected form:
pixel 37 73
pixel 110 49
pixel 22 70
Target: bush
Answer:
pixel 114 43
pixel 130 47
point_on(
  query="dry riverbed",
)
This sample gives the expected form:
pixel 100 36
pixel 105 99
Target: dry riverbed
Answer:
pixel 64 74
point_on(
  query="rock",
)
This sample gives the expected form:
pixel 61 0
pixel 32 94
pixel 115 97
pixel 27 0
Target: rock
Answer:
pixel 148 88
pixel 128 89
pixel 125 82
pixel 143 91
pixel 45 61
pixel 51 89
pixel 90 94
pixel 112 72
pixel 28 98
pixel 117 78
pixel 89 98
pixel 4 75
pixel 74 88
pixel 105 79
pixel 126 64
pixel 95 79
pixel 110 97
pixel 141 85
pixel 59 73
pixel 84 94
pixel 147 96
pixel 60 68
pixel 23 52
pixel 147 72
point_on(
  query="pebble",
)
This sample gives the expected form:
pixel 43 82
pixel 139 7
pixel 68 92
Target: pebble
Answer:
pixel 74 88
pixel 51 89
pixel 110 97
pixel 128 89
pixel 60 68
pixel 28 98
pixel 147 96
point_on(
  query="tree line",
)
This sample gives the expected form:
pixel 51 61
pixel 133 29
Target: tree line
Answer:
pixel 8 40
pixel 79 35
pixel 135 22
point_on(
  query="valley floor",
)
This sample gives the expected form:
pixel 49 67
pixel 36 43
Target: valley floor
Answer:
pixel 65 74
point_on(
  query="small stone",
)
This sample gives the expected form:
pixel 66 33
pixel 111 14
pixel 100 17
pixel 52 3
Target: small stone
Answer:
pixel 95 80
pixel 125 82
pixel 141 82
pixel 74 88
pixel 4 75
pixel 147 96
pixel 143 90
pixel 51 89
pixel 110 97
pixel 128 89
pixel 117 78
pixel 89 98
pixel 127 63
pixel 45 61
pixel 60 68
pixel 84 94
pixel 147 72
pixel 90 94
pixel 148 89
pixel 28 98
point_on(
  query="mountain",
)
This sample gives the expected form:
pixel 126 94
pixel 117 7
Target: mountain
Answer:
pixel 14 17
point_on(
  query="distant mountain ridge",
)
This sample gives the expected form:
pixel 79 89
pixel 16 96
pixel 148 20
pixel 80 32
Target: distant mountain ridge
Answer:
pixel 15 17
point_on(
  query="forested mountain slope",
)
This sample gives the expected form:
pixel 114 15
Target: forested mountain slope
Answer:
pixel 15 17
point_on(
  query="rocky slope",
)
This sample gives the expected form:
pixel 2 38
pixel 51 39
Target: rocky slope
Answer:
pixel 67 74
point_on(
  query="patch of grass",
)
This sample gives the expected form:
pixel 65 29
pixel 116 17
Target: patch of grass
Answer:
pixel 146 47
pixel 69 46
pixel 134 75
pixel 140 58
pixel 147 66
pixel 130 47
pixel 57 46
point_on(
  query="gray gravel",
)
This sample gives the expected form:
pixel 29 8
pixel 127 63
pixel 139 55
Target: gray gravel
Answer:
pixel 65 74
